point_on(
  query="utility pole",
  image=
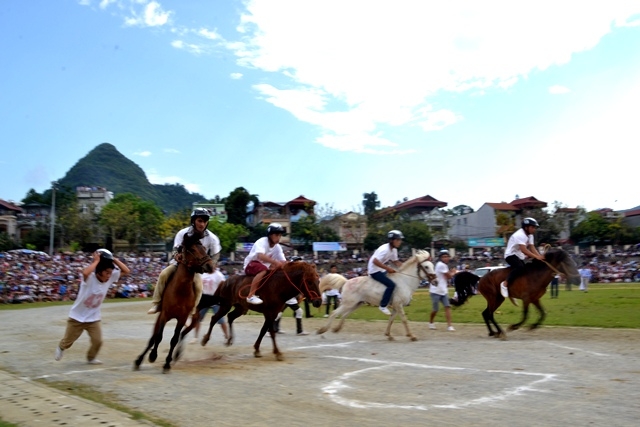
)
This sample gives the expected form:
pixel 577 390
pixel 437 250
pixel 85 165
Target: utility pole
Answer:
pixel 52 219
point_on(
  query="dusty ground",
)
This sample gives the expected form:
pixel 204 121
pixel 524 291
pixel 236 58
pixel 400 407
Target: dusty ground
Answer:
pixel 552 376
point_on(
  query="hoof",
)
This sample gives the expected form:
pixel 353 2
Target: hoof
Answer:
pixel 321 331
pixel 256 354
pixel 153 356
pixel 279 357
pixel 136 366
pixel 390 338
pixel 166 369
pixel 414 339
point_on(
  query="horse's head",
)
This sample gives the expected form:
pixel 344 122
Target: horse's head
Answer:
pixel 194 254
pixel 425 266
pixel 309 280
pixel 563 262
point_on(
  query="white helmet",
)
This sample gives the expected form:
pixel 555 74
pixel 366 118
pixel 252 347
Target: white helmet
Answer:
pixel 105 254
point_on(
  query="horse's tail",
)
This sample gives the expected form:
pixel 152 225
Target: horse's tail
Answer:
pixel 464 284
pixel 332 281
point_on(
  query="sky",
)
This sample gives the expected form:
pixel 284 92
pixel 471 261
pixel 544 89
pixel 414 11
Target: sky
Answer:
pixel 466 101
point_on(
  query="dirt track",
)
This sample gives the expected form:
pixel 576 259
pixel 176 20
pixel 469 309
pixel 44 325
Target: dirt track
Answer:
pixel 552 376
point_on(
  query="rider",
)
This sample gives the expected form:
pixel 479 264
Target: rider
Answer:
pixel 265 254
pixel 378 270
pixel 199 222
pixel 519 247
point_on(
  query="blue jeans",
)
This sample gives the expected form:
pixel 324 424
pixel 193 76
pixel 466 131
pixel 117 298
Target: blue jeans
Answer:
pixel 381 276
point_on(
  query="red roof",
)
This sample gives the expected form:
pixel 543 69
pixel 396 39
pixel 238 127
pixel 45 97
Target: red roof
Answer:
pixel 503 206
pixel 10 206
pixel 528 201
pixel 421 202
pixel 301 200
pixel 567 210
pixel 632 212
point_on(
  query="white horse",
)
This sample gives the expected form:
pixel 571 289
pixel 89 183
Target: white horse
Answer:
pixel 365 289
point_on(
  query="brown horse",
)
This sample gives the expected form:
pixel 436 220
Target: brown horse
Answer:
pixel 179 298
pixel 529 286
pixel 278 286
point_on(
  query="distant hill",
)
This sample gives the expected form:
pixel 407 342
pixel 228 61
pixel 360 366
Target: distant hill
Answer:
pixel 106 167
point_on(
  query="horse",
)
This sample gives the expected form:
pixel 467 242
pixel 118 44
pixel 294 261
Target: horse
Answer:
pixel 364 289
pixel 529 286
pixel 179 298
pixel 465 284
pixel 277 287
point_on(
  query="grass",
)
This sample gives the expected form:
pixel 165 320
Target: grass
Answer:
pixel 7 424
pixel 604 306
pixel 107 399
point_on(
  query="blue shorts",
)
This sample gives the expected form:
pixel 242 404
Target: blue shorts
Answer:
pixel 437 299
pixel 214 308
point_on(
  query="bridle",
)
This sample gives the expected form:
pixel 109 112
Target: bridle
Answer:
pixel 199 261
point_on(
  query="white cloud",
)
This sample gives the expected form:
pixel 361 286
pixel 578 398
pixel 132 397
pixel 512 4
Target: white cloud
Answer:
pixel 152 15
pixel 84 2
pixel 558 90
pixel 382 66
pixel 104 3
pixel 208 34
pixel 156 178
pixel 236 76
pixel 142 153
pixel 189 47
pixel 171 150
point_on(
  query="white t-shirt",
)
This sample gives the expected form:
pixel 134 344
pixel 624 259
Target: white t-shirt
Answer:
pixel 261 246
pixel 209 241
pixel 513 246
pixel 384 254
pixel 86 308
pixel 211 281
pixel 441 288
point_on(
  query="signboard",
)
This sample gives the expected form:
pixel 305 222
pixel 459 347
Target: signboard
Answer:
pixel 486 242
pixel 243 247
pixel 216 210
pixel 329 246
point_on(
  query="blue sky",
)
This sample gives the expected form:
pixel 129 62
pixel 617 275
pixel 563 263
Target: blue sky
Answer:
pixel 469 102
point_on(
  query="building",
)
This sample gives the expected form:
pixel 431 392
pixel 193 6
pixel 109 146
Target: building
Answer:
pixel 283 213
pixel 351 227
pixel 92 199
pixel 9 219
pixel 426 209
pixel 632 217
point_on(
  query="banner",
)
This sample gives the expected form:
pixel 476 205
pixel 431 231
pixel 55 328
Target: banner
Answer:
pixel 243 247
pixel 329 246
pixel 486 242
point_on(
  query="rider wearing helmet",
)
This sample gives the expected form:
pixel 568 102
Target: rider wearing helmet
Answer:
pixel 199 222
pixel 378 269
pixel 266 254
pixel 519 247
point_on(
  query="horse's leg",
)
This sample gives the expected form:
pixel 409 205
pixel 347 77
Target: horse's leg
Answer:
pixel 174 341
pixel 266 326
pixel 237 312
pixel 270 321
pixel 157 337
pixel 138 361
pixel 543 314
pixel 525 313
pixel 405 322
pixel 332 316
pixel 394 313
pixel 224 309
pixel 195 319
pixel 348 311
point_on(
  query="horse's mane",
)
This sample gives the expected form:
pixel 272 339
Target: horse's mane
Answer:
pixel 192 238
pixel 419 257
pixel 299 265
pixel 554 255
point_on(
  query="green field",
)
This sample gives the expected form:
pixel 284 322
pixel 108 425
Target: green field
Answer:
pixel 604 306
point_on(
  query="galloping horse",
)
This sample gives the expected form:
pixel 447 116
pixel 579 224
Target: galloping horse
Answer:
pixel 529 286
pixel 278 286
pixel 179 298
pixel 364 289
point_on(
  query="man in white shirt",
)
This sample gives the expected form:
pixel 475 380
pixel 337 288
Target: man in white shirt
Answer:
pixel 439 292
pixel 266 254
pixel 199 222
pixel 519 247
pixel 378 269
pixel 85 313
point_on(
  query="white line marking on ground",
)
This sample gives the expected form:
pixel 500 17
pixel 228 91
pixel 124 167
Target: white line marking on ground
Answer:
pixel 577 349
pixel 76 372
pixel 338 385
pixel 342 344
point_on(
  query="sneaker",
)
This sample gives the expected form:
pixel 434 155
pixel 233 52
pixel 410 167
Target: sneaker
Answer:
pixel 94 362
pixel 451 329
pixel 280 331
pixel 153 309
pixel 254 300
pixel 385 310
pixel 504 290
pixel 326 315
pixel 432 325
pixel 59 352
pixel 303 333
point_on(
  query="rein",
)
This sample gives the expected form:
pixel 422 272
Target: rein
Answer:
pixel 311 293
pixel 199 260
pixel 546 248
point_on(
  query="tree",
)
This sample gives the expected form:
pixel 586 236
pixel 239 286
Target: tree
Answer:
pixel 416 234
pixel 236 205
pixel 461 210
pixel 229 234
pixel 34 197
pixel 130 218
pixel 594 229
pixel 307 230
pixel 370 203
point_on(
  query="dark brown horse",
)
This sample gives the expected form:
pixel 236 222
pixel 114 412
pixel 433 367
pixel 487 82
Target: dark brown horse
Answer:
pixel 278 286
pixel 179 298
pixel 529 286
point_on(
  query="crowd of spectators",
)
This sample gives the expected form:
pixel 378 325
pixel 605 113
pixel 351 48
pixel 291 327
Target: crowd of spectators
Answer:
pixel 34 276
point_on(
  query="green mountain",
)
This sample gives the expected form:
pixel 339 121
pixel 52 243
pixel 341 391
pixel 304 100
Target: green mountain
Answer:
pixel 106 167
